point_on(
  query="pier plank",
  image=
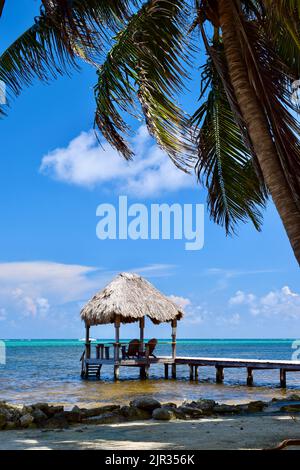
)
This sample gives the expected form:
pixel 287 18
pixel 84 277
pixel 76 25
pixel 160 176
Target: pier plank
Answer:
pixel 233 362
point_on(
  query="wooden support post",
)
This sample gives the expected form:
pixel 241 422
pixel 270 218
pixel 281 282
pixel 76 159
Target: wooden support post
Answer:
pixel 173 370
pixel 116 372
pixel 147 372
pixel 283 378
pixel 97 351
pixel 143 372
pixel 117 338
pixel 174 328
pixel 166 371
pixel 83 368
pixel 106 349
pixel 249 376
pixel 142 327
pixel 219 374
pixel 87 342
pixel 191 371
pixel 98 371
pixel 196 372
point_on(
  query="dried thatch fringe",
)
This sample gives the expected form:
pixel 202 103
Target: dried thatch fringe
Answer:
pixel 131 297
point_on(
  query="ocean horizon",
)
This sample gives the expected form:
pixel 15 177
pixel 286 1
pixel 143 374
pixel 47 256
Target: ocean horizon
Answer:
pixel 36 341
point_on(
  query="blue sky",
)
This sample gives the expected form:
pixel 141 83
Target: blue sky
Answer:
pixel 53 176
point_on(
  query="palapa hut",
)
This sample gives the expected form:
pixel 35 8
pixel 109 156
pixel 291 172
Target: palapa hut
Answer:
pixel 127 298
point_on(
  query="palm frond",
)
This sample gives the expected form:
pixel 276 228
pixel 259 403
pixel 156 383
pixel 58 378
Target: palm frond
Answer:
pixel 225 164
pixel 147 62
pixel 39 53
pixel 63 32
pixel 282 24
pixel 83 15
pixel 83 20
pixel 283 7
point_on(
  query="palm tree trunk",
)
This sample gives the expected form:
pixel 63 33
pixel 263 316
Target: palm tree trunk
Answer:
pixel 258 129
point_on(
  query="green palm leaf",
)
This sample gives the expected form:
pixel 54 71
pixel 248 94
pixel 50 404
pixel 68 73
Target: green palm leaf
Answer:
pixel 39 52
pixel 63 32
pixel 225 165
pixel 146 61
pixel 283 7
pixel 282 22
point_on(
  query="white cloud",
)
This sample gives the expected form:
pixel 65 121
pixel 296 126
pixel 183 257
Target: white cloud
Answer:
pixel 241 298
pixel 182 302
pixel 225 276
pixel 43 289
pixel 233 273
pixel 155 270
pixel 194 314
pixel 232 320
pixel 282 302
pixel 30 306
pixel 36 280
pixel 85 163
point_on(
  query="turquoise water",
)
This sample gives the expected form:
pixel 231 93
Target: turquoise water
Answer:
pixel 49 370
pixel 196 341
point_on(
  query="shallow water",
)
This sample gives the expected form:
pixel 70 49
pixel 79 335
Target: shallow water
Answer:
pixel 49 370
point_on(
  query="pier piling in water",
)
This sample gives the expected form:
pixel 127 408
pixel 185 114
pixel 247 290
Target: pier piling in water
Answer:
pixel 249 376
pixel 91 366
pixel 219 374
pixel 283 378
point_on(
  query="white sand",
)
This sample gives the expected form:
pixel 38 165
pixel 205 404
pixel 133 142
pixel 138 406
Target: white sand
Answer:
pixel 236 432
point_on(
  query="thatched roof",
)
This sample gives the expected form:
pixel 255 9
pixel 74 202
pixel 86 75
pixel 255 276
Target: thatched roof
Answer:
pixel 131 297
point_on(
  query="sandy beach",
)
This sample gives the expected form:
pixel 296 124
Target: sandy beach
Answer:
pixel 241 432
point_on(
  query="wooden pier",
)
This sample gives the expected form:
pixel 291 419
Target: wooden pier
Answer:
pixel 91 367
pixel 249 364
pixel 125 300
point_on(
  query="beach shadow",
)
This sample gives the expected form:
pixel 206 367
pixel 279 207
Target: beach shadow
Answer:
pixel 234 432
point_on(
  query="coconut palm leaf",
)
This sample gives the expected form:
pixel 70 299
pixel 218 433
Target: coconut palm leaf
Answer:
pixel 283 7
pixel 39 52
pixel 282 23
pixel 63 32
pixel 80 18
pixel 87 13
pixel 225 164
pixel 147 61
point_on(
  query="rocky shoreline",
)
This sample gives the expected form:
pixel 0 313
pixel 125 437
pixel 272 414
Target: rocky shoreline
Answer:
pixel 48 416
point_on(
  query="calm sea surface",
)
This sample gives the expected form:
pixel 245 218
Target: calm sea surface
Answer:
pixel 49 370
